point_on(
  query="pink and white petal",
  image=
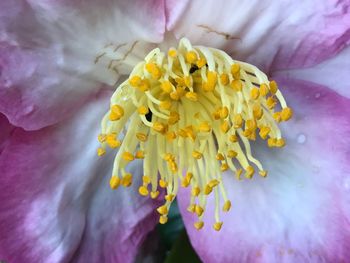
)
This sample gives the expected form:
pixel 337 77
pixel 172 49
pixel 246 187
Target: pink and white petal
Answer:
pixel 50 55
pixel 333 73
pixel 270 34
pixel 301 211
pixel 56 204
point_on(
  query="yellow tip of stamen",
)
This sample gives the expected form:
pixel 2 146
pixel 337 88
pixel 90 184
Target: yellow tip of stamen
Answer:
pixel 143 190
pixel 227 206
pixel 217 226
pixel 126 180
pixel 191 110
pixel 199 225
pixel 114 182
pixel 163 219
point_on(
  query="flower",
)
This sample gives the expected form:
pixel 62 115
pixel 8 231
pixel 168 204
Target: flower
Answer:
pixel 56 205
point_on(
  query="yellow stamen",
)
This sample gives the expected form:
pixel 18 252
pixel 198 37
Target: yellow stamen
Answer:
pixel 190 114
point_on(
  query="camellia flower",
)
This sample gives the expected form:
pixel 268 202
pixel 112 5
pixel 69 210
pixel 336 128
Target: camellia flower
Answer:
pixel 184 88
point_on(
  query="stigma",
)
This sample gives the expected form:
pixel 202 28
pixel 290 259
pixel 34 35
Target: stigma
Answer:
pixel 190 114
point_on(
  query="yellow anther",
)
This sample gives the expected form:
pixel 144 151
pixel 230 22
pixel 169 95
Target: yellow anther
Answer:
pixel 201 62
pixel 146 179
pixel 154 195
pixel 214 183
pixel 112 141
pixel 191 96
pixel 169 197
pixel 101 138
pixel 224 79
pixel 114 182
pixel 188 81
pixel 254 93
pixel 220 157
pixel 172 53
pixel 280 142
pixel 163 210
pixel 175 95
pixel 163 219
pixel 225 126
pixel 174 117
pixel 160 127
pixel 236 85
pixel 264 131
pixel 169 157
pixel 143 190
pixel 286 114
pixel 197 154
pixel 173 167
pixel 117 112
pixel 101 151
pixel 141 136
pixel 211 81
pixel 238 121
pixel 233 138
pixel 163 183
pixel 180 82
pixel 144 85
pixel 247 133
pixel 170 136
pixel 185 182
pixel 227 206
pixel 224 112
pixel 189 175
pixel 231 154
pixel 142 110
pixel 263 173
pixel 140 154
pixel 191 57
pixel 167 86
pixel 199 225
pixel 263 90
pixel 195 191
pixel 271 102
pixel 126 180
pixel 277 116
pixel 235 68
pixel 239 173
pixel 198 210
pixel 216 115
pixel 217 226
pixel 127 156
pixel 250 125
pixel 224 167
pixel 273 87
pixel 271 142
pixel 135 81
pixel 191 208
pixel 249 172
pixel 257 111
pixel 204 127
pixel 207 189
pixel 154 70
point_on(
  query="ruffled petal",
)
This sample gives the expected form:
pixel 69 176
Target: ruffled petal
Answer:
pixel 301 211
pixel 333 73
pixel 54 54
pixel 6 129
pixel 270 34
pixel 56 204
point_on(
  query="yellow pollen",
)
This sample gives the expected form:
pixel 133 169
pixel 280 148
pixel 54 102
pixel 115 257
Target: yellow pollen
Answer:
pixel 190 114
pixel 114 182
pixel 191 57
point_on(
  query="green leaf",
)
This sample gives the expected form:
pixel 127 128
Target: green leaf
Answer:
pixel 182 251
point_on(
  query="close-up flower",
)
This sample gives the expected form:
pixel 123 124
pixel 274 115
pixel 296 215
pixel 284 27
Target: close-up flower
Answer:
pixel 113 113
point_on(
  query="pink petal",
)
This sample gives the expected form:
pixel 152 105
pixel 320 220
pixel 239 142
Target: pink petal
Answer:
pixel 6 129
pixel 301 212
pixel 49 51
pixel 333 73
pixel 270 34
pixel 56 204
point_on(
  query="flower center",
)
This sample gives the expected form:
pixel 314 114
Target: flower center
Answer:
pixel 190 114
